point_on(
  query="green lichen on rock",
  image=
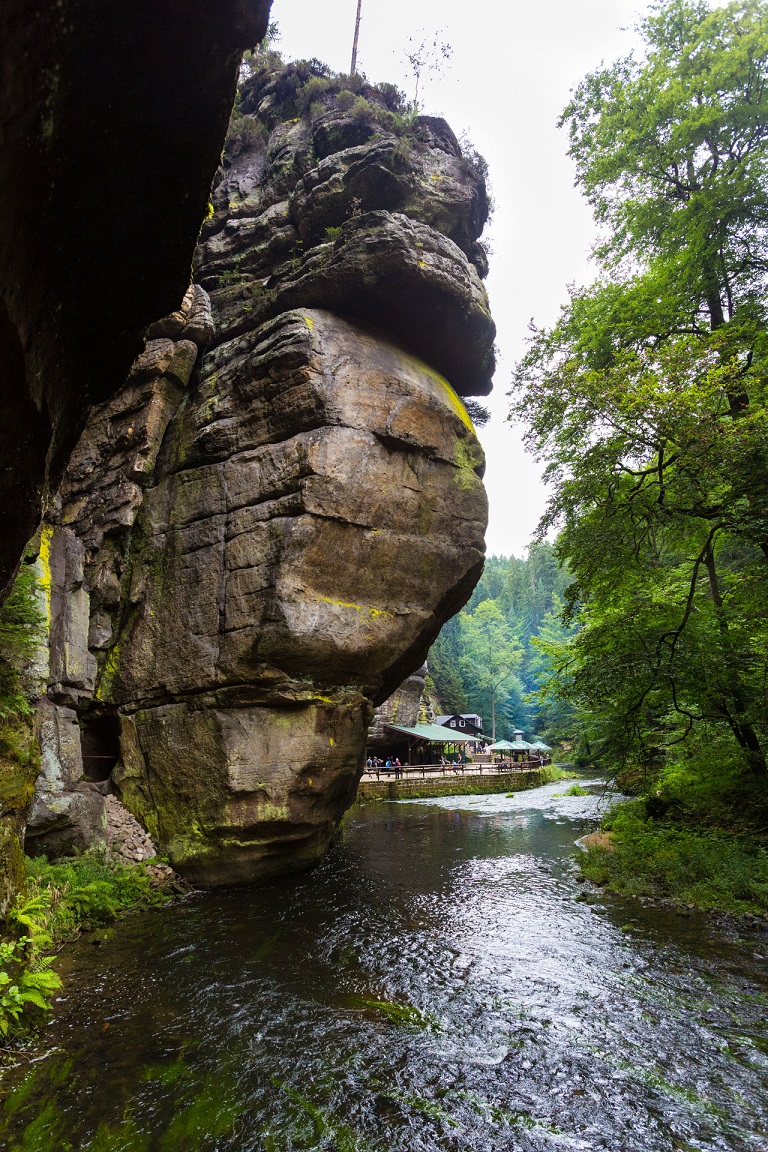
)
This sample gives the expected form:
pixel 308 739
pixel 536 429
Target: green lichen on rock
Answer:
pixel 21 624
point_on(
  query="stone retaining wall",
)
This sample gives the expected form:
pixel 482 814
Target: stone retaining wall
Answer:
pixel 449 786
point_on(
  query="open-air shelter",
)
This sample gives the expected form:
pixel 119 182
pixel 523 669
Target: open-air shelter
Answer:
pixel 501 746
pixel 520 746
pixel 422 735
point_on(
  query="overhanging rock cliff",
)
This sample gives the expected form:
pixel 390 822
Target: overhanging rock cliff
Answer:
pixel 112 117
pixel 261 536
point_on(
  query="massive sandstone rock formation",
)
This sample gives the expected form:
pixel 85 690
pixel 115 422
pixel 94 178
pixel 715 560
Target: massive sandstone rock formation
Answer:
pixel 260 536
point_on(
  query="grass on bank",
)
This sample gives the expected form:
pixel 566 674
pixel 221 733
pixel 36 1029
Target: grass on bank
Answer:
pixel 715 869
pixel 63 898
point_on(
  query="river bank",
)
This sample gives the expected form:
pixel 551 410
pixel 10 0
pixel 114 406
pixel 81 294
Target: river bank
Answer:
pixel 714 869
pixel 62 900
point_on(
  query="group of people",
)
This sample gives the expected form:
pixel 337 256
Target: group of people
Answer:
pixel 377 765
pixel 393 764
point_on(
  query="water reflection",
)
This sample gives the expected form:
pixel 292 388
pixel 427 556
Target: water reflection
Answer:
pixel 435 984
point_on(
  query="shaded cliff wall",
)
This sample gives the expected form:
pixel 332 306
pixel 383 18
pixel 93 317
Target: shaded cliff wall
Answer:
pixel 259 538
pixel 408 705
pixel 112 118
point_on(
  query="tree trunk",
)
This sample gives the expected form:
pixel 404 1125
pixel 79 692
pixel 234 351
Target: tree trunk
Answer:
pixel 493 716
pixel 737 401
pixel 743 731
pixel 353 65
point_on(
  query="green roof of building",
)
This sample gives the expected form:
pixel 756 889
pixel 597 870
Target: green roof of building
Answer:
pixel 434 733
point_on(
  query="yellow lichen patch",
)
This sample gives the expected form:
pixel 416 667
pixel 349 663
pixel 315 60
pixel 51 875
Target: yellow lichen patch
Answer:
pixel 309 322
pixel 356 607
pixel 44 558
pixel 454 401
pixel 451 398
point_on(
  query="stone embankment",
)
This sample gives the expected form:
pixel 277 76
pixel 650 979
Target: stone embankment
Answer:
pixel 474 784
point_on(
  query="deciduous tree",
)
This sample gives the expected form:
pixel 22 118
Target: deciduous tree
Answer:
pixel 648 398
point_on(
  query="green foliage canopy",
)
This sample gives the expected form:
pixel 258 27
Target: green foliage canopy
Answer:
pixel 520 600
pixel 647 400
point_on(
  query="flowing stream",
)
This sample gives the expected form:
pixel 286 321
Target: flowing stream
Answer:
pixel 441 981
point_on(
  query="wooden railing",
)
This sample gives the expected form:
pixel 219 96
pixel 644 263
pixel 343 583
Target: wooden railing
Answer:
pixel 421 771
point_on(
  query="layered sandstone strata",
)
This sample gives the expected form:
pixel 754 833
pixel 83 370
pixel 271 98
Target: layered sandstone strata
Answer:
pixel 261 536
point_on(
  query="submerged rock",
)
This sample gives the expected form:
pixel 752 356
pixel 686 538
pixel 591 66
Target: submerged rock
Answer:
pixel 261 536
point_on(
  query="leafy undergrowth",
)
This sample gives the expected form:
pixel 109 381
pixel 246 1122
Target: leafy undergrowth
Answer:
pixel 62 899
pixel 551 773
pixel 711 868
pixel 88 891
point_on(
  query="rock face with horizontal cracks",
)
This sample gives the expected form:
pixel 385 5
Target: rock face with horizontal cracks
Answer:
pixel 346 205
pixel 272 540
pixel 82 559
pixel 408 705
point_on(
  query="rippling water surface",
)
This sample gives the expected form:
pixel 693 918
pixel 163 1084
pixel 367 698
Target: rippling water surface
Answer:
pixel 440 982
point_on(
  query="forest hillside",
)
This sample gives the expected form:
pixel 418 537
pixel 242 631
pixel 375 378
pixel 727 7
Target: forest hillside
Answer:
pixel 493 657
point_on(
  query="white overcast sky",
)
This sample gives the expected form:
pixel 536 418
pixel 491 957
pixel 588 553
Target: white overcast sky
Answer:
pixel 510 75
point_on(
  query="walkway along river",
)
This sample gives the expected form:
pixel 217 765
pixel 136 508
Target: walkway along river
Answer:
pixel 441 981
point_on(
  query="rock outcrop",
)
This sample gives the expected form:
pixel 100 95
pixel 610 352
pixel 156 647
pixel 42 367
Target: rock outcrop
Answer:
pixel 408 705
pixel 113 118
pixel 259 538
pixel 349 206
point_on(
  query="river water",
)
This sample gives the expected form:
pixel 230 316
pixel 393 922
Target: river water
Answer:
pixel 441 981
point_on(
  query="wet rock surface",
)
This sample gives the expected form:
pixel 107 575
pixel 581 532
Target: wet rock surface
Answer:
pixel 259 538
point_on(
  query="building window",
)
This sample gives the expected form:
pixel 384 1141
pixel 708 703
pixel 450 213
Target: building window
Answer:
pixel 452 724
pixel 461 723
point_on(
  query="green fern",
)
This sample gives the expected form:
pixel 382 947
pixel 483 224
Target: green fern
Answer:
pixel 94 901
pixel 21 986
pixel 28 914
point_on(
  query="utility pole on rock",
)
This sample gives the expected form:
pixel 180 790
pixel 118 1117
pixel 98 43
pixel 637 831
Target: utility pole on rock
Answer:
pixel 353 65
